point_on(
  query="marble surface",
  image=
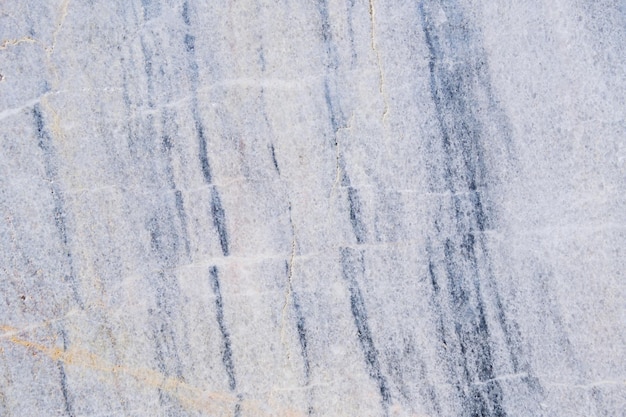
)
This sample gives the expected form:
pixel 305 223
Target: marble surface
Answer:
pixel 312 208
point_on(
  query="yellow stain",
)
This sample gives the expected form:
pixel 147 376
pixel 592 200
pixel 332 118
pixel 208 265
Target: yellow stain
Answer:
pixel 189 396
pixel 14 42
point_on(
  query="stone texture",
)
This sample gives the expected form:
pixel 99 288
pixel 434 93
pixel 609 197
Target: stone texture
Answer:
pixel 321 208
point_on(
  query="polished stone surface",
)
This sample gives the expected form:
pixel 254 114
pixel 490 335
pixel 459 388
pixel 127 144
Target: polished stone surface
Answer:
pixel 312 208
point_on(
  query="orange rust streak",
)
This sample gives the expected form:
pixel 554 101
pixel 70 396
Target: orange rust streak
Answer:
pixel 186 393
pixel 14 42
pixel 189 395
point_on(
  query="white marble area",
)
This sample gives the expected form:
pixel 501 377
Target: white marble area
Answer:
pixel 312 208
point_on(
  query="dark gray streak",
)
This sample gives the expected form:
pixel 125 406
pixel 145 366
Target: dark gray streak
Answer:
pixel 459 256
pixel 44 141
pixel 217 211
pixel 227 354
pixel 219 221
pixel 352 266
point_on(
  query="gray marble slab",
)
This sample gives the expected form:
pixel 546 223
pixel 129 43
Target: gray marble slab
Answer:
pixel 312 208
